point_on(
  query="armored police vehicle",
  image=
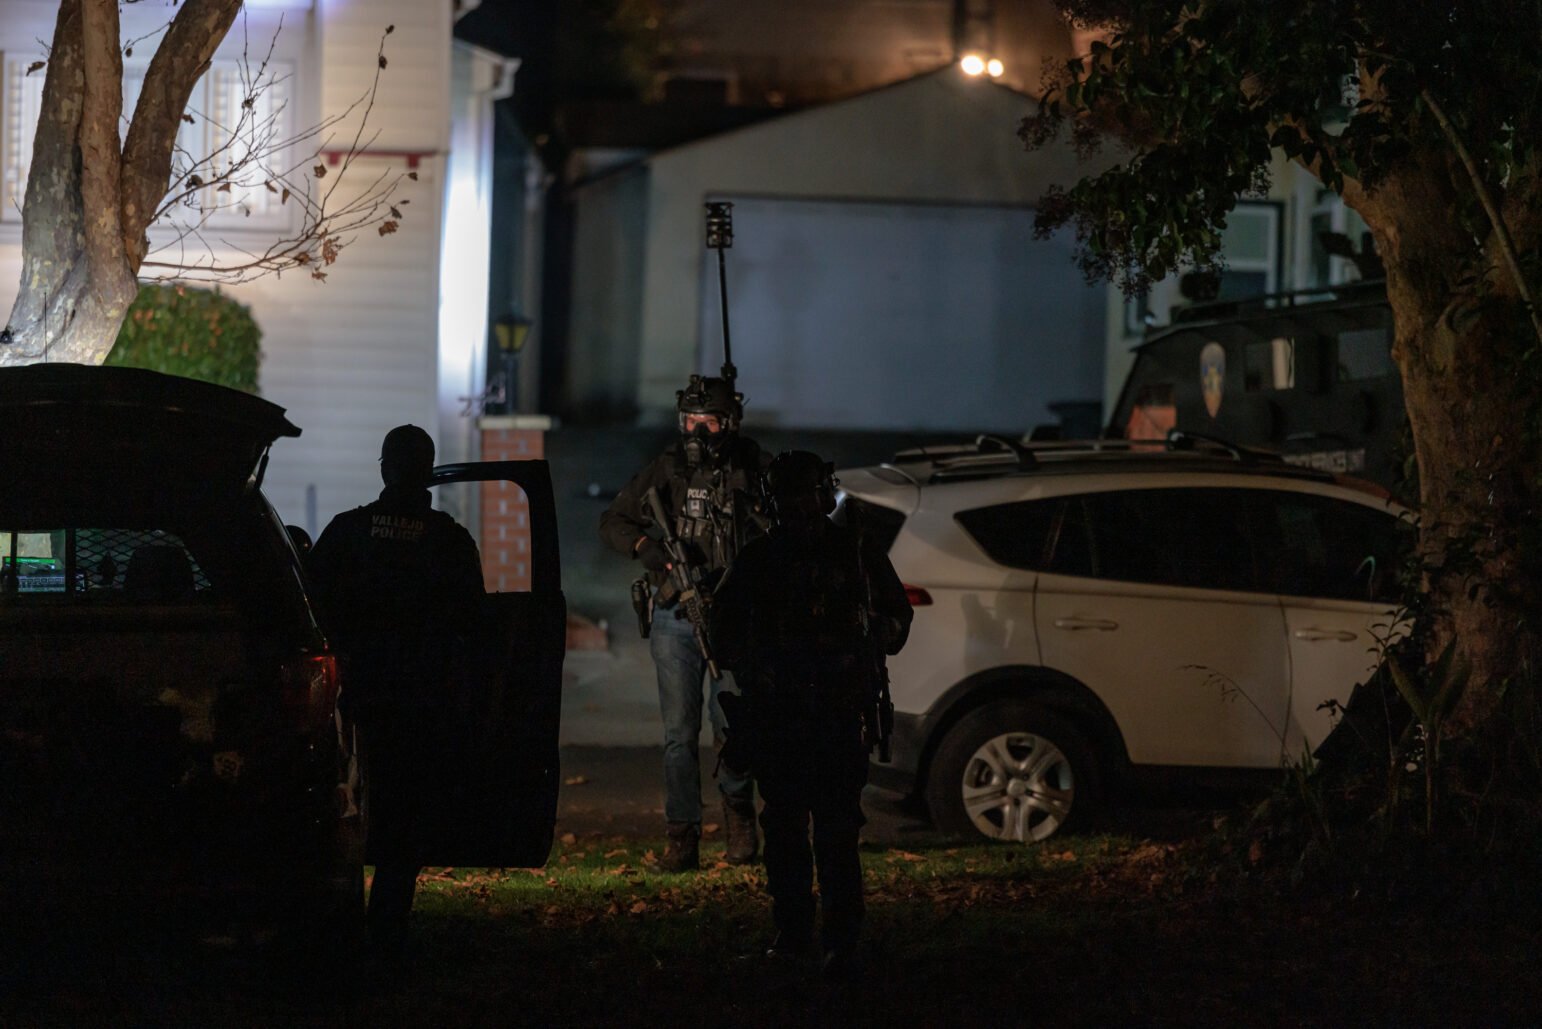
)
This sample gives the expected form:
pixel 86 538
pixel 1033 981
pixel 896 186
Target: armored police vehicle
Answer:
pixel 1308 374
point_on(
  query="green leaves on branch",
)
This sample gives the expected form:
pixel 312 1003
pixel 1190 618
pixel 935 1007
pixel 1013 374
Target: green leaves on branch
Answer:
pixel 1199 93
pixel 197 333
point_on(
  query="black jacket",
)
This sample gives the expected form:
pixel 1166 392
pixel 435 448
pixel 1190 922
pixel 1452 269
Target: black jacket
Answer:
pixel 736 483
pixel 792 605
pixel 394 582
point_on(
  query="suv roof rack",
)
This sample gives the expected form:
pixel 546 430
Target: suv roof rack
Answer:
pixel 990 455
pixel 1180 439
pixel 987 455
pixel 1358 291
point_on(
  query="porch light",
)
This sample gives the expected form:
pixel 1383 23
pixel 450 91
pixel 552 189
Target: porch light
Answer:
pixel 972 64
pixel 994 67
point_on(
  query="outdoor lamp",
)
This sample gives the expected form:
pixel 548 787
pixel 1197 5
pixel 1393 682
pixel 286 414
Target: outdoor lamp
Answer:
pixel 509 333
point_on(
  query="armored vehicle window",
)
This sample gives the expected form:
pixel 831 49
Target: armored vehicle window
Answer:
pixel 1364 354
pixel 1176 537
pixel 1269 364
pixel 1015 535
pixel 1321 547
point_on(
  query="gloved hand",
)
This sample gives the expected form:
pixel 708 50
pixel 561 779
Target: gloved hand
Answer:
pixel 653 555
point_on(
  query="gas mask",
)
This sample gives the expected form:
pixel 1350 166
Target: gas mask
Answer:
pixel 709 412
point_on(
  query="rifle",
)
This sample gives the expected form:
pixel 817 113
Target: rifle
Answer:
pixel 878 705
pixel 686 577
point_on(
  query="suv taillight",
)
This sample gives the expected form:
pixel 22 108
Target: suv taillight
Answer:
pixel 917 596
pixel 309 690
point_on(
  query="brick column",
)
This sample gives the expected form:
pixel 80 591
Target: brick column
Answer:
pixel 505 512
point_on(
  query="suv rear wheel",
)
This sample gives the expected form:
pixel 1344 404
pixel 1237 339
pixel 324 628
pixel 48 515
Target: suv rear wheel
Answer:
pixel 1012 771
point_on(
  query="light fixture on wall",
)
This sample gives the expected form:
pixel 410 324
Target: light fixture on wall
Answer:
pixel 509 333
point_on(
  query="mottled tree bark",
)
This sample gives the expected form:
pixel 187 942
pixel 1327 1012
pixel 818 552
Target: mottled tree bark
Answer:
pixel 89 202
pixel 1461 354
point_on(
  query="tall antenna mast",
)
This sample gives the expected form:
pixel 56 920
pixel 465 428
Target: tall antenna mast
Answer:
pixel 720 236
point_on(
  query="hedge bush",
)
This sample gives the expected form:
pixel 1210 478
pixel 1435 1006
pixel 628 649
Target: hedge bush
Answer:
pixel 184 330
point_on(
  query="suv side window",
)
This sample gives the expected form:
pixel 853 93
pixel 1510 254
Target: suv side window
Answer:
pixel 140 565
pixel 1191 537
pixel 1016 535
pixel 1322 547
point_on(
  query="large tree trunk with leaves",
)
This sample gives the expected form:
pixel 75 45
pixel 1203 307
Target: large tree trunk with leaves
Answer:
pixel 1467 352
pixel 89 200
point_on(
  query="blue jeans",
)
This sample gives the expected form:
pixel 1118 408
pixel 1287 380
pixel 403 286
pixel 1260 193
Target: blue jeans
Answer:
pixel 681 669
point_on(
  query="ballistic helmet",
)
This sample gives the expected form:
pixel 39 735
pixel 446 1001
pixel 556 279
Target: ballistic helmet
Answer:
pixel 801 483
pixel 407 457
pixel 706 394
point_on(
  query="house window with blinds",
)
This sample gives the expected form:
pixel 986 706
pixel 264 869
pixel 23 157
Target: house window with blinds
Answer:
pixel 233 117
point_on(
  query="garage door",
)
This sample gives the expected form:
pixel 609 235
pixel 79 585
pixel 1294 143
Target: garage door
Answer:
pixel 902 316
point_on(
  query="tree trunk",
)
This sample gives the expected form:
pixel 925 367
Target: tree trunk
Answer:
pixel 1471 401
pixel 52 233
pixel 89 200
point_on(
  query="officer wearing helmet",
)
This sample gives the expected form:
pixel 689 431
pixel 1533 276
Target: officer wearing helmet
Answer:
pixel 709 481
pixel 797 618
pixel 394 582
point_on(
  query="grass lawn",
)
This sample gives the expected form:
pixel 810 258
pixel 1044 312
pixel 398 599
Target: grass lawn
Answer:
pixel 1091 930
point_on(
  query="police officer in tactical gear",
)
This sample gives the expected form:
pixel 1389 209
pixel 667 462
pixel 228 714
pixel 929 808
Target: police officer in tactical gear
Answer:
pixel 395 581
pixel 797 618
pixel 709 480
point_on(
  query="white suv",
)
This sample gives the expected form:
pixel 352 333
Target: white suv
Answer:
pixel 1087 613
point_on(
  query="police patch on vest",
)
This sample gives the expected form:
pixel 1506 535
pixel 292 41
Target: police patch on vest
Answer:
pixel 696 502
pixel 396 527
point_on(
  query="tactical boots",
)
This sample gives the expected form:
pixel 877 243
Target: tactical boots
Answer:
pixel 743 841
pixel 680 847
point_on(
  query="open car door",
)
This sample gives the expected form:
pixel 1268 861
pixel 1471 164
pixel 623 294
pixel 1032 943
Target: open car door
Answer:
pixel 496 802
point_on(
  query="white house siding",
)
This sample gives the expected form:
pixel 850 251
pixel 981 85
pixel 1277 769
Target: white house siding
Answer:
pixel 357 355
pixel 353 356
pixel 940 138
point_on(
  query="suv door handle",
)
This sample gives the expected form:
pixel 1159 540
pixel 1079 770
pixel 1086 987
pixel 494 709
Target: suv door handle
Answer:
pixel 1074 624
pixel 1313 634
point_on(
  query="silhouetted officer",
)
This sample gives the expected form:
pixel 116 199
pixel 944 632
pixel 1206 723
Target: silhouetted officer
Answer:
pixel 797 617
pixel 395 582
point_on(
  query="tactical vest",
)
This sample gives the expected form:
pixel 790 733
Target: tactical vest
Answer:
pixel 710 520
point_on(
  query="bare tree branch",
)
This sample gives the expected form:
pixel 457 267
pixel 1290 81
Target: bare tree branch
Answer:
pixel 255 157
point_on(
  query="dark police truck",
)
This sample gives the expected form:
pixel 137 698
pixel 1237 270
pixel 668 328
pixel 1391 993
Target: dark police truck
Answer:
pixel 1308 374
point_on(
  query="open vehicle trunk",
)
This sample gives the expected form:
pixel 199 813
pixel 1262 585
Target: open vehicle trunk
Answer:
pixel 156 708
